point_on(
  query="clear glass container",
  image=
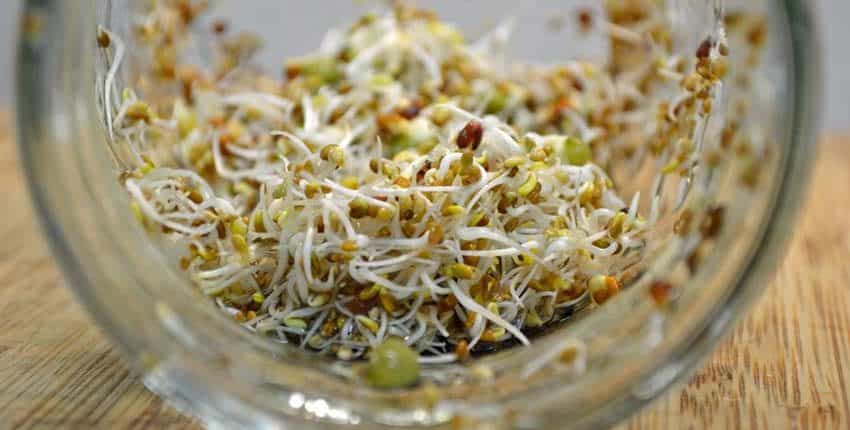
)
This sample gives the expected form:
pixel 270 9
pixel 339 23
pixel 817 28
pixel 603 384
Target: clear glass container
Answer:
pixel 206 365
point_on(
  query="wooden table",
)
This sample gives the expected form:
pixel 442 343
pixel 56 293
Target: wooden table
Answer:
pixel 786 366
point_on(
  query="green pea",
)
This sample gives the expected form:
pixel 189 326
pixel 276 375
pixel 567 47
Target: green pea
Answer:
pixel 576 152
pixel 393 365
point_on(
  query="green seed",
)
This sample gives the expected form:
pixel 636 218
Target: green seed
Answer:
pixel 393 364
pixel 576 152
pixel 497 102
pixel 258 298
pixel 295 323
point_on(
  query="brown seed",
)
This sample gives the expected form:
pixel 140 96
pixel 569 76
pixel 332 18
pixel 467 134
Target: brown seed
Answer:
pixel 660 292
pixel 462 350
pixel 568 355
pixel 704 49
pixel 713 222
pixel 410 111
pixel 585 19
pixel 219 26
pixel 435 233
pixel 103 39
pixel 471 135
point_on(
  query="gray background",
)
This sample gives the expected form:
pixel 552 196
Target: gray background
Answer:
pixel 835 32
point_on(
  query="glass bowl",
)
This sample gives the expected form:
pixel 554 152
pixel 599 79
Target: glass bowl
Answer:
pixel 692 287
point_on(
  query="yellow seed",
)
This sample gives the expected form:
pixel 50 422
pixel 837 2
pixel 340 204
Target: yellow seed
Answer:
pixel 385 214
pixel 560 284
pixel 720 67
pixel 208 254
pixel 617 225
pixel 349 246
pixel 492 334
pixel 538 154
pixel 419 209
pixel 460 271
pixel 533 319
pixel 435 233
pixel 470 319
pixel 147 167
pixel 440 116
pixel 453 210
pixel 515 161
pixel 358 208
pixel 388 302
pixel 312 189
pixel 530 184
pixel 587 192
pixel 467 158
pixel 139 111
pixel 350 182
pixel 240 244
pixel 258 297
pixel 259 222
pixel 602 288
pixel 369 293
pixel 537 165
pixel 334 154
pixel 368 323
pixel 318 300
pixel 478 219
pixel 238 227
pixel 280 219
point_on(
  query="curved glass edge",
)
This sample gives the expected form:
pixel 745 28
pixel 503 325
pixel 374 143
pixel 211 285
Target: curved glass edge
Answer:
pixel 804 65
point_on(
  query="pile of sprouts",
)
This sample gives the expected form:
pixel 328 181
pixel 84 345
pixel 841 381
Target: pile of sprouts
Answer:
pixel 396 183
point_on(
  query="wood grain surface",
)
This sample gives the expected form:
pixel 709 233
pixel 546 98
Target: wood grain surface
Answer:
pixel 786 366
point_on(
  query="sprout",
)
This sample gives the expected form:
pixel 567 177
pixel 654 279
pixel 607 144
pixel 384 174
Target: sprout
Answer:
pixel 399 181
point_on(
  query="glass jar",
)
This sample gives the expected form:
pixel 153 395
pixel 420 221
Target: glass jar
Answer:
pixel 633 348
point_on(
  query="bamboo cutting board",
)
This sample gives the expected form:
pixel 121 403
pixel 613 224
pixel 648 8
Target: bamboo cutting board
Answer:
pixel 786 366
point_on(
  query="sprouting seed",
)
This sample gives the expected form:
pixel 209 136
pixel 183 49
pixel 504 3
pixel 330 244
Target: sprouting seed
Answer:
pixel 470 136
pixel 576 152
